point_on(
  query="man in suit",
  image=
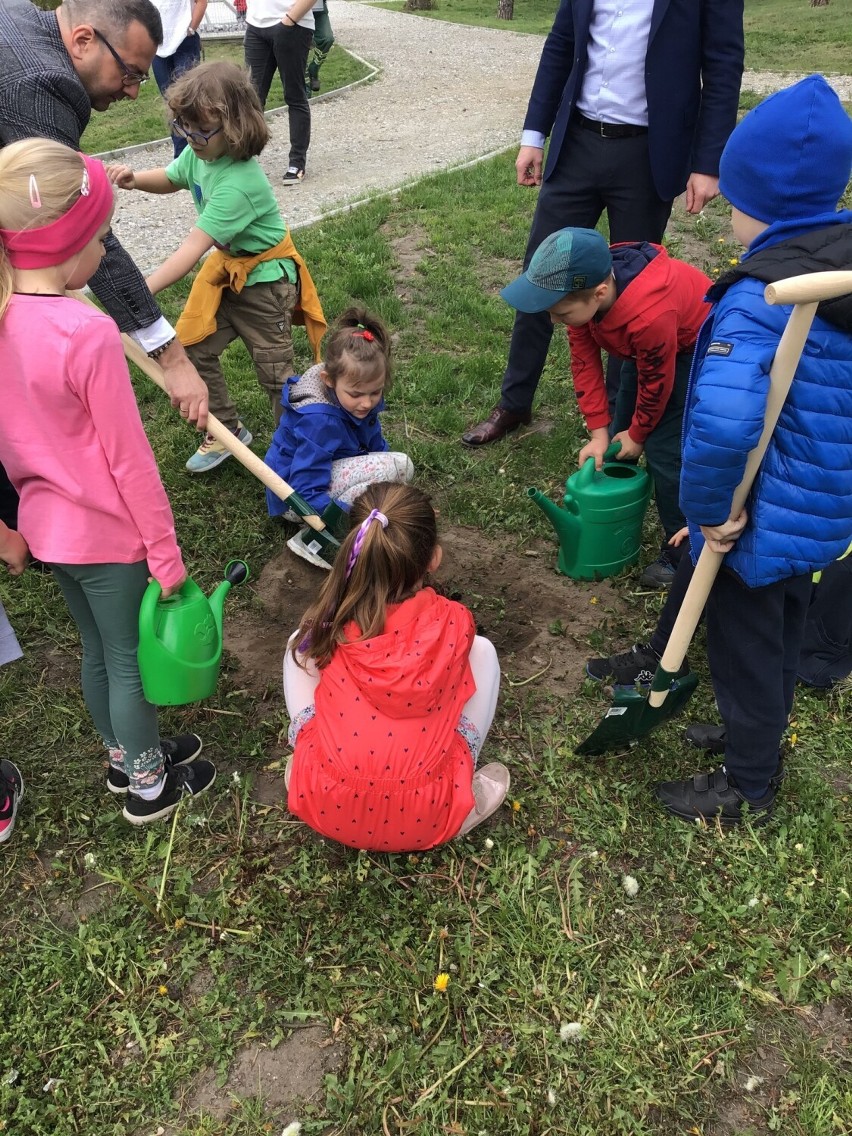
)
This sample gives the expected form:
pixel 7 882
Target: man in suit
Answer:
pixel 638 98
pixel 55 68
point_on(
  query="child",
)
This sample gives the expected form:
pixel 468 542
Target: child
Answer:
pixel 634 301
pixel 329 443
pixel 14 553
pixel 252 286
pixel 390 692
pixel 91 502
pixel 783 170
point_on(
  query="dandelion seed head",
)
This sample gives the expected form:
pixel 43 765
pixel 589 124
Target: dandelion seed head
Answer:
pixel 570 1031
pixel 551 1096
pixel 631 886
pixel 752 1083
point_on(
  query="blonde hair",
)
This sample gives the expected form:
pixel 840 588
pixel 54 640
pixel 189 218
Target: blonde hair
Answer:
pixel 58 173
pixel 348 346
pixel 392 563
pixel 222 91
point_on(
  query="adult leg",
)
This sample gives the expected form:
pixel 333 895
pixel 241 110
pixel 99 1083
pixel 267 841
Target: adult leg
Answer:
pixel 323 43
pixel 291 47
pixel 260 59
pixel 262 316
pixel 826 655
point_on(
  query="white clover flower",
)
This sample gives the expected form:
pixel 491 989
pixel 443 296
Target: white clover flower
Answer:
pixel 89 859
pixel 631 886
pixel 799 847
pixel 292 1129
pixel 489 844
pixel 235 777
pixel 551 1096
pixel 752 1083
pixel 754 901
pixel 570 1031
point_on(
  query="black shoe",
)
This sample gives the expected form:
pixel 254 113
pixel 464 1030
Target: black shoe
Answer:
pixel 659 574
pixel 312 79
pixel 707 736
pixel 714 795
pixel 184 781
pixel 179 750
pixel 635 667
pixel 293 175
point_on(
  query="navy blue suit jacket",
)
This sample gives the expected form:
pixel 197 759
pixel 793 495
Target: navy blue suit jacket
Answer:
pixel 693 70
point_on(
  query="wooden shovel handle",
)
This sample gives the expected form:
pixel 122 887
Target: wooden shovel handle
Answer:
pixel 217 429
pixel 816 287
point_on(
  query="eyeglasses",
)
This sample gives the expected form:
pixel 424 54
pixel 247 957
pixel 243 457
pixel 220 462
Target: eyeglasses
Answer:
pixel 130 76
pixel 199 137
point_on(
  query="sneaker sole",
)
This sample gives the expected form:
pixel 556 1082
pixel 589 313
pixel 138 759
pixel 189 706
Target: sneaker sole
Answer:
pixel 167 811
pixel 16 804
pixel 298 549
pixel 757 819
pixel 186 761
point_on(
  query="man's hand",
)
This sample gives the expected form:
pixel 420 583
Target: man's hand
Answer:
pixel 700 189
pixel 630 450
pixel 528 164
pixel 596 448
pixel 13 550
pixel 120 175
pixel 187 390
pixel 721 538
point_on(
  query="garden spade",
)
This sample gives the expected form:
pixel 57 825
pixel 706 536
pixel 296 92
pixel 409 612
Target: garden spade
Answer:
pixel 327 529
pixel 633 714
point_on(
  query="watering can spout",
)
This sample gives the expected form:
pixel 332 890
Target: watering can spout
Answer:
pixel 235 573
pixel 565 523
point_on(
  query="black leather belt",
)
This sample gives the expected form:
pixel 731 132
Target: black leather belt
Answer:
pixel 609 129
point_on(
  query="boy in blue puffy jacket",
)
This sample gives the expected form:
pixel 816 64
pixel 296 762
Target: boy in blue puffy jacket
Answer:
pixel 784 169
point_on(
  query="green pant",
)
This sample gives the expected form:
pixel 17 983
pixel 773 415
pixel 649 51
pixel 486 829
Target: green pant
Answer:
pixel 104 601
pixel 261 316
pixel 662 446
pixel 323 40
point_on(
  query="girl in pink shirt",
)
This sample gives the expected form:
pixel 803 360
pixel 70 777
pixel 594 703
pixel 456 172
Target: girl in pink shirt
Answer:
pixel 91 502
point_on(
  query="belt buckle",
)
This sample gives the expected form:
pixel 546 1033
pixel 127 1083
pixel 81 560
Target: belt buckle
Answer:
pixel 603 126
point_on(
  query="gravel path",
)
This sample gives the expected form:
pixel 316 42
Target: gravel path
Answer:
pixel 445 94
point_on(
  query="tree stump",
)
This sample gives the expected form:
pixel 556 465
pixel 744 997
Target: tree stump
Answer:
pixel 419 5
pixel 506 9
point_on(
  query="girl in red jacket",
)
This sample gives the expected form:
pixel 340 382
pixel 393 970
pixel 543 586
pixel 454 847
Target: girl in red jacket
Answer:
pixel 390 692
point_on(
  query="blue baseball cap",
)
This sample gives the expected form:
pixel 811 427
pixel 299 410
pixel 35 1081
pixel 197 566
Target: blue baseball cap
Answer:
pixel 566 261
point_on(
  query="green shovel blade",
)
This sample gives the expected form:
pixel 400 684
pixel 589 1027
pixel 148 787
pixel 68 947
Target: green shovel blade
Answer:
pixel 631 716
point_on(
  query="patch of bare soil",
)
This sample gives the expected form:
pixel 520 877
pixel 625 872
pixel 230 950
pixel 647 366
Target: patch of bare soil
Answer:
pixel 539 621
pixel 409 250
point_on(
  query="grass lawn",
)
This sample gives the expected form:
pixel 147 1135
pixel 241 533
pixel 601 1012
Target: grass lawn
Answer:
pixel 130 122
pixel 781 35
pixel 195 981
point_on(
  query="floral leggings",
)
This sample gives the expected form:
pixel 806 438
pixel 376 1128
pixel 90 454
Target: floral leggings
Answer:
pixel 351 476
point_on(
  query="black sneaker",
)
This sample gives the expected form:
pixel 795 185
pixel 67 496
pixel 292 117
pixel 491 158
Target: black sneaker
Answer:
pixel 714 795
pixel 179 750
pixel 180 782
pixel 11 795
pixel 635 667
pixel 659 574
pixel 293 175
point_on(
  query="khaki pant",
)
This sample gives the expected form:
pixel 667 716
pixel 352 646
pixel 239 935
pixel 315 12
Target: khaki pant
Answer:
pixel 261 316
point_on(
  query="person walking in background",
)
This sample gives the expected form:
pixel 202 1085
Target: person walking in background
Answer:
pixel 279 35
pixel 181 46
pixel 323 43
pixel 92 507
pixel 638 101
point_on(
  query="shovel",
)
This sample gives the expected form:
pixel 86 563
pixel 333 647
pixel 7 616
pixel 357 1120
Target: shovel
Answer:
pixel 632 714
pixel 324 543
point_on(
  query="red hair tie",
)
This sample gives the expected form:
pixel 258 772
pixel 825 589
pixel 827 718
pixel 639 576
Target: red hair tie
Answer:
pixel 362 333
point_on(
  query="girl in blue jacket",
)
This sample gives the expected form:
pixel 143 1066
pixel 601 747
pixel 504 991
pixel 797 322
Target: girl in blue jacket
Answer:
pixel 329 444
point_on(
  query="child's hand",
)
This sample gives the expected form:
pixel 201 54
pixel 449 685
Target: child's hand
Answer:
pixel 630 450
pixel 122 176
pixel 679 537
pixel 596 448
pixel 721 538
pixel 166 592
pixel 14 551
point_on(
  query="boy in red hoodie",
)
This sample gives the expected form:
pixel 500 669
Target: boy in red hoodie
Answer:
pixel 633 301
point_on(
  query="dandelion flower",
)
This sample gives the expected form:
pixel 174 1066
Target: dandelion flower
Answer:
pixel 180 924
pixel 570 1031
pixel 516 806
pixel 793 739
pixel 752 1083
pixel 734 260
pixel 442 981
pixel 631 886
pixel 593 600
pixel 162 991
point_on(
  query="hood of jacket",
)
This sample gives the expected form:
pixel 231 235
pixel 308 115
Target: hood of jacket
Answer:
pixel 308 394
pixel 421 655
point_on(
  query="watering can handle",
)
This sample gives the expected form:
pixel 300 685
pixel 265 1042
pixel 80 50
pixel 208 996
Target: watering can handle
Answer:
pixel 587 470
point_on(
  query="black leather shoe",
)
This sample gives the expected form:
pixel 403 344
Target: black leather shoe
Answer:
pixel 497 425
pixel 707 736
pixel 711 795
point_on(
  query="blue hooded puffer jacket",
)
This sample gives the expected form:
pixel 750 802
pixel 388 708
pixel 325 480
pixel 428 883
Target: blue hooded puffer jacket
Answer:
pixel 315 431
pixel 800 507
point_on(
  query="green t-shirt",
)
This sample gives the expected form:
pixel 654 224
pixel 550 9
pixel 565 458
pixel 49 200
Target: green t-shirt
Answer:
pixel 236 207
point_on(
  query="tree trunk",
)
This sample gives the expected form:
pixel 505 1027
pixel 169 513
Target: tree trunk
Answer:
pixel 819 3
pixel 505 9
pixel 419 5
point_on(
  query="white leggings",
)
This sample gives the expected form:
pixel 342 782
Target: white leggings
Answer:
pixel 300 685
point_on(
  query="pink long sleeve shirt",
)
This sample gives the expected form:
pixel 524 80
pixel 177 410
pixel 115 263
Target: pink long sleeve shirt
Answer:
pixel 73 445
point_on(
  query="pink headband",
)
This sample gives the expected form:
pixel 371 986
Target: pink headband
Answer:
pixel 61 239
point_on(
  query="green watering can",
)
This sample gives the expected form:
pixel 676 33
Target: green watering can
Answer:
pixel 599 524
pixel 180 640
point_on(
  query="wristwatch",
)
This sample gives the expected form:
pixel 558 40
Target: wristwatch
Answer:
pixel 162 349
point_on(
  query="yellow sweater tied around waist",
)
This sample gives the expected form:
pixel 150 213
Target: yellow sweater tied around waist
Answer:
pixel 221 270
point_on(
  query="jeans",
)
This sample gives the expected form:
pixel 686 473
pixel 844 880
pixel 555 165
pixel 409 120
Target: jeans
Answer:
pixel 286 48
pixel 166 70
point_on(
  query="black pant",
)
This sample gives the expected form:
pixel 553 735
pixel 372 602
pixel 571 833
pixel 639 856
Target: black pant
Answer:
pixel 592 174
pixel 662 446
pixel 286 48
pixel 8 501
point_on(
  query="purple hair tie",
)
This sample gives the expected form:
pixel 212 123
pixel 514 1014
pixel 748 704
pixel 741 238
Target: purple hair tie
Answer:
pixel 359 539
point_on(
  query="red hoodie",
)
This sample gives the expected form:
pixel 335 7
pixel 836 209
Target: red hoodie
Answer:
pixel 657 314
pixel 380 766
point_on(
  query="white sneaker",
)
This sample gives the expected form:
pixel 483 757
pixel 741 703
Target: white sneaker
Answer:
pixel 212 453
pixel 308 551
